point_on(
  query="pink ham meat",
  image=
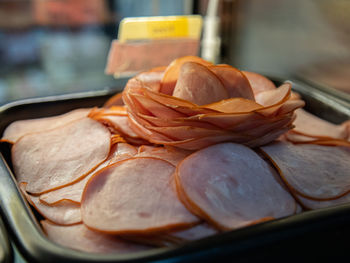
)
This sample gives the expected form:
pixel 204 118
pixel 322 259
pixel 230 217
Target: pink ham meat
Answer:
pixel 318 204
pixel 65 213
pixel 52 159
pixel 134 196
pixel 79 237
pixel 19 128
pixel 194 233
pixel 309 124
pixel 258 82
pixel 73 192
pixel 171 73
pixel 230 186
pixel 235 82
pixel 312 171
pixel 199 85
pixel 171 154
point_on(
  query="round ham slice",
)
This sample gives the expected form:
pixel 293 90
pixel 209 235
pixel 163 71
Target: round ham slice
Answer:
pixel 19 128
pixel 52 159
pixel 73 192
pixel 231 186
pixel 79 237
pixel 199 85
pixel 310 170
pixel 134 196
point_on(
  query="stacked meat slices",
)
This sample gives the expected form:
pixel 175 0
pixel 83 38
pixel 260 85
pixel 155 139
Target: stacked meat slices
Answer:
pixel 196 104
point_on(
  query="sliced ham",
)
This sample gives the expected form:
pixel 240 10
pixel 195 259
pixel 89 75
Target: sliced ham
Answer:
pixel 171 154
pixel 134 196
pixel 73 192
pixel 310 124
pixel 115 100
pixel 230 186
pixel 196 232
pixel 235 82
pixel 199 85
pixel 313 171
pixel 19 128
pixel 152 78
pixel 318 204
pixel 52 159
pixel 264 120
pixel 258 82
pixel 79 237
pixel 172 72
pixel 64 213
pixel 237 105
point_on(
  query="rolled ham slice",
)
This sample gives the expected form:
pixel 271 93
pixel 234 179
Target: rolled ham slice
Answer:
pixel 79 237
pixel 171 73
pixel 19 128
pixel 52 159
pixel 199 85
pixel 230 186
pixel 135 196
pixel 312 171
pixel 235 82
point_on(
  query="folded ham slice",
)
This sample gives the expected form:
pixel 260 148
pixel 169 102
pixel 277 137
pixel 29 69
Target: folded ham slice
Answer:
pixel 79 237
pixel 134 196
pixel 312 171
pixel 52 159
pixel 64 213
pixel 309 127
pixel 230 186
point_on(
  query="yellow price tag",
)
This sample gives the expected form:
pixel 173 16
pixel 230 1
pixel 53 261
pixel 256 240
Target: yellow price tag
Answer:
pixel 160 27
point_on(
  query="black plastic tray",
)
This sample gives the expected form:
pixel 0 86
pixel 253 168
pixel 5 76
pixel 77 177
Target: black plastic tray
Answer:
pixel 319 234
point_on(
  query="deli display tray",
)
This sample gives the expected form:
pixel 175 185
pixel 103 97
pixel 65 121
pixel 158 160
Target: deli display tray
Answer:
pixel 318 234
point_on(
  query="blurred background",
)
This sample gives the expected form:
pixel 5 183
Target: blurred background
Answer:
pixel 50 47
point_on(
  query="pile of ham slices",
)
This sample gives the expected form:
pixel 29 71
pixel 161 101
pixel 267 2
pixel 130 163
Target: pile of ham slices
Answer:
pixel 184 152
